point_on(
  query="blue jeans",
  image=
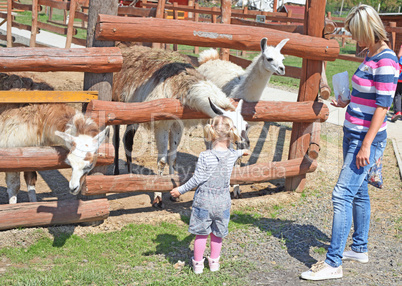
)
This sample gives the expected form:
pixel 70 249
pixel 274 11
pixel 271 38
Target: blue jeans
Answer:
pixel 351 200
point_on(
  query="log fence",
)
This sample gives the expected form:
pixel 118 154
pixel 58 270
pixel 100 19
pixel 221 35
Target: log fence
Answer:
pixel 306 114
pixel 94 60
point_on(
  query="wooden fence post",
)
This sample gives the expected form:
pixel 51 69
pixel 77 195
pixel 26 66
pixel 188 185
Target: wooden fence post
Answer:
pixel 214 17
pixel 308 90
pixel 70 25
pixel 9 23
pixel 160 10
pixel 393 36
pixel 34 25
pixel 196 17
pixel 176 17
pixel 101 82
pixel 226 15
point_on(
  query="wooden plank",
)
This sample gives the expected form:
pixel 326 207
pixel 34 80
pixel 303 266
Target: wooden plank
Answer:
pixel 209 35
pixel 115 113
pixel 47 96
pixel 21 6
pixel 256 173
pixel 45 158
pixel 62 5
pixel 96 60
pixel 135 11
pixel 352 58
pixel 52 213
pixel 277 26
pixel 78 41
pixel 54 29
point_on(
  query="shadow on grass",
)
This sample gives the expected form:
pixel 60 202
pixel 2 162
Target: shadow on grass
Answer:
pixel 172 248
pixel 296 238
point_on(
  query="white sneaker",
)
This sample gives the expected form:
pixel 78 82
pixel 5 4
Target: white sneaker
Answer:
pixel 356 256
pixel 322 271
pixel 213 264
pixel 198 266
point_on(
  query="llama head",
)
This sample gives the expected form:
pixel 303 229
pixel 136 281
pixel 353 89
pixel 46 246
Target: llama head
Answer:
pixel 82 156
pixel 272 59
pixel 238 122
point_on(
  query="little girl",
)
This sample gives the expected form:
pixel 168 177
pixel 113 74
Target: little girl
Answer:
pixel 211 205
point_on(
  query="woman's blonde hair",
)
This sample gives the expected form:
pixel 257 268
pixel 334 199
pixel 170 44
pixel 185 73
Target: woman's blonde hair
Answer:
pixel 220 128
pixel 365 25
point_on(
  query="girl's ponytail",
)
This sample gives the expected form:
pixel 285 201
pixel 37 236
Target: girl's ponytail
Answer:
pixel 209 133
pixel 234 137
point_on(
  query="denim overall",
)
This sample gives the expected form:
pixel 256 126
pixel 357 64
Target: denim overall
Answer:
pixel 211 205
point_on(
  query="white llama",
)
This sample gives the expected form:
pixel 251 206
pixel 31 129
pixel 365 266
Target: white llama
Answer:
pixel 247 84
pixel 148 74
pixel 50 125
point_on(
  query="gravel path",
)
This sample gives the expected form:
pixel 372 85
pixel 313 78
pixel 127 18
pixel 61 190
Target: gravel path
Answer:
pixel 298 235
pixel 279 258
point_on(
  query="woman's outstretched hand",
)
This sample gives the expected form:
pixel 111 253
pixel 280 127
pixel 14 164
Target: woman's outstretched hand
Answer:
pixel 175 193
pixel 340 103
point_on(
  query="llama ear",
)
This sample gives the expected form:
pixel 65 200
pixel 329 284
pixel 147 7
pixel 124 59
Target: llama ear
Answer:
pixel 281 44
pixel 263 44
pixel 65 136
pixel 215 108
pixel 101 136
pixel 239 106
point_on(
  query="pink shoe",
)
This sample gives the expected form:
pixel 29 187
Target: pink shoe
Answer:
pixel 213 264
pixel 198 266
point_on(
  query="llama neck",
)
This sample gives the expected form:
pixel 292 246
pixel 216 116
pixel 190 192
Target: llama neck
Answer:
pixel 253 82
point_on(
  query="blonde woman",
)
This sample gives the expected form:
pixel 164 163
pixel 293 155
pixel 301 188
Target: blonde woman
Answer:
pixel 364 141
pixel 211 205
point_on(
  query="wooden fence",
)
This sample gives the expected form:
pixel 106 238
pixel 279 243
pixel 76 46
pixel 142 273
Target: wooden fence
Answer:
pixel 308 112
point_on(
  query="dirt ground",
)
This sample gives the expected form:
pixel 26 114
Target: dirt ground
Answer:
pixel 269 142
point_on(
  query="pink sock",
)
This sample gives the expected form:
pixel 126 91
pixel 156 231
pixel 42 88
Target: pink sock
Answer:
pixel 199 246
pixel 216 246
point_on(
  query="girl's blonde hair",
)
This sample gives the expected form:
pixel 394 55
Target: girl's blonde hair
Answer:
pixel 365 25
pixel 220 128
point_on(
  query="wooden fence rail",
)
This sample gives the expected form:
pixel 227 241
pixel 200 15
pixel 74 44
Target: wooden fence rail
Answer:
pixel 45 158
pixel 115 28
pixel 116 113
pixel 255 173
pixel 52 213
pixel 95 60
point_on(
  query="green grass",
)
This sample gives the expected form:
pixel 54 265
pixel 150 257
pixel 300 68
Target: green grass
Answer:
pixel 26 18
pixel 136 255
pixel 320 250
